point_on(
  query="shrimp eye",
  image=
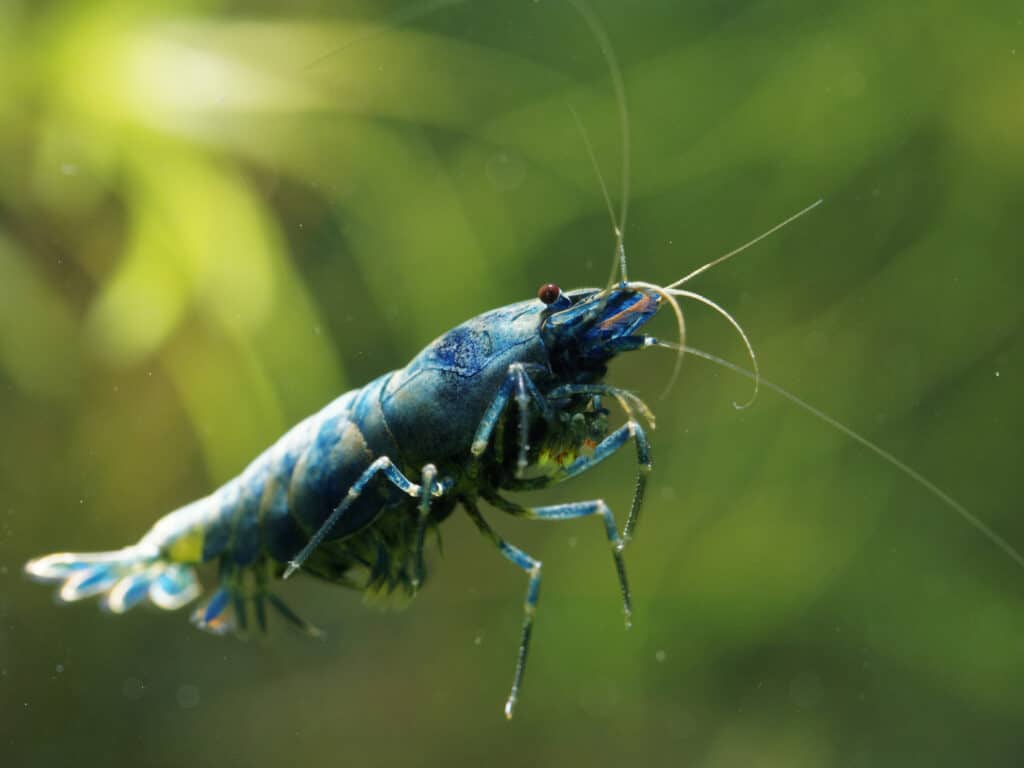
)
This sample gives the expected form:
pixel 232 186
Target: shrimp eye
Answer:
pixel 549 293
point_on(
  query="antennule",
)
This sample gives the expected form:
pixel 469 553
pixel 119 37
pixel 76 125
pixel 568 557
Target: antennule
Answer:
pixel 739 329
pixel 680 324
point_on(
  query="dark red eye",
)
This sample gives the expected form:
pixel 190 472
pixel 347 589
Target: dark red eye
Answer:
pixel 549 293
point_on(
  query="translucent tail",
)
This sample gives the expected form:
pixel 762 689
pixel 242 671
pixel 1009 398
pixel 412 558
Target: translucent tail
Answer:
pixel 124 578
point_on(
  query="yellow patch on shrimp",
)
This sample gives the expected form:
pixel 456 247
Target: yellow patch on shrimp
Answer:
pixel 561 456
pixel 187 548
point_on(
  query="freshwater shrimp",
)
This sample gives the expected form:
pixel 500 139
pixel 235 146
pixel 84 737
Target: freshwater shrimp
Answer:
pixel 511 400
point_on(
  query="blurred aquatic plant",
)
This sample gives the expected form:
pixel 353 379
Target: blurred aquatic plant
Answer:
pixel 156 125
pixel 37 332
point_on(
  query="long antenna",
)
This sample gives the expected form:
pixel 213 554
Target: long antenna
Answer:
pixel 973 520
pixel 418 10
pixel 619 257
pixel 597 28
pixel 746 245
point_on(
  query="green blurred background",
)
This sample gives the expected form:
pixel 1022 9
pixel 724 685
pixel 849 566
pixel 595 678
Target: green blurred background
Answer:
pixel 209 229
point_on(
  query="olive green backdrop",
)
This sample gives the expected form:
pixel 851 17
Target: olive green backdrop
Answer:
pixel 217 216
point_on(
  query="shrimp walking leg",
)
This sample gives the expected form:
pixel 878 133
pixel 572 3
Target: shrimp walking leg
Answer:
pixel 571 511
pixel 381 465
pixel 533 568
pixel 427 488
pixel 612 443
pixel 519 382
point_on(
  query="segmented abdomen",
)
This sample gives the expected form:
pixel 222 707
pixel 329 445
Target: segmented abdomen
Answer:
pixel 286 493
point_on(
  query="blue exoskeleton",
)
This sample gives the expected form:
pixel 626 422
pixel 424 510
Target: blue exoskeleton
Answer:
pixel 508 401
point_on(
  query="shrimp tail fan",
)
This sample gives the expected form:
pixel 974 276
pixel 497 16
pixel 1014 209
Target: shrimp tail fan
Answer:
pixel 122 578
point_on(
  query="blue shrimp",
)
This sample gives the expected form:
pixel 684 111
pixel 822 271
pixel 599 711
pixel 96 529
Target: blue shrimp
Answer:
pixel 509 401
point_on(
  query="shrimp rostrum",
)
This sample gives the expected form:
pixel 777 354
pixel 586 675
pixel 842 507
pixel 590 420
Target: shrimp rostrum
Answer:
pixel 512 400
